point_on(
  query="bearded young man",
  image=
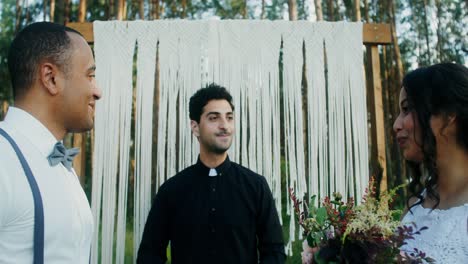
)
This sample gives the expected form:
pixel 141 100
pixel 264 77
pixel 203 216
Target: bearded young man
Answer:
pixel 215 211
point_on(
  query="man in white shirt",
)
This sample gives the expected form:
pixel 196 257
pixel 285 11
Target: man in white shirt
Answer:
pixel 52 71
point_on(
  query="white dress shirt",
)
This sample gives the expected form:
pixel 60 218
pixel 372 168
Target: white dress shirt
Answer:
pixel 68 222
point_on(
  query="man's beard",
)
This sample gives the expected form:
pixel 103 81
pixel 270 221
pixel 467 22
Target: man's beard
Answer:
pixel 218 149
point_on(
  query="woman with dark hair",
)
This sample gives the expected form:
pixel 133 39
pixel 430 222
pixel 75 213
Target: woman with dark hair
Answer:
pixel 432 132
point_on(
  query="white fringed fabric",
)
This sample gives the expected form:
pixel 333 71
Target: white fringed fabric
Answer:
pixel 244 57
pixel 146 66
pixel 114 48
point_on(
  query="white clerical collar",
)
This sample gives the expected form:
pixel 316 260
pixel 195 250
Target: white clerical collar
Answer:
pixel 213 173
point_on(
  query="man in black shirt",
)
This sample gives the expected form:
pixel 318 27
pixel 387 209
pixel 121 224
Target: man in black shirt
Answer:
pixel 214 211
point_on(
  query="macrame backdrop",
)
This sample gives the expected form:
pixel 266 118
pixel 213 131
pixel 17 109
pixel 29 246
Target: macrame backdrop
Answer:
pixel 244 57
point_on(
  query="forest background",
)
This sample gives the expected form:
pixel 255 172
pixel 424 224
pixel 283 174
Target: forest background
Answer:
pixel 424 32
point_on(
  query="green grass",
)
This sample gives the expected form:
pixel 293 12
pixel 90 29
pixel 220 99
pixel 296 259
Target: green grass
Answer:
pixel 296 246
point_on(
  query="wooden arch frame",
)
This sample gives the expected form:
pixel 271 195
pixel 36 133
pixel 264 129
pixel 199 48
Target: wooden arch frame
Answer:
pixel 373 36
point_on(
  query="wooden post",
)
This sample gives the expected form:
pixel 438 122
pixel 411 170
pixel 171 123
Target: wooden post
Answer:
pixel 375 106
pixel 79 163
pixel 372 34
pixel 4 109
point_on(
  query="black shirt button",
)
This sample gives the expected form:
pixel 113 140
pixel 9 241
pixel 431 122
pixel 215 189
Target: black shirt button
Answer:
pixel 213 190
pixel 213 209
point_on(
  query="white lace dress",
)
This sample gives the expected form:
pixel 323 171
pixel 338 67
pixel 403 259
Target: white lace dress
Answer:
pixel 446 240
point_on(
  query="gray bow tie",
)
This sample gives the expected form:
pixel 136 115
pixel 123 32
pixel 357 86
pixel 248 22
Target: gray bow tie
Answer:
pixel 62 154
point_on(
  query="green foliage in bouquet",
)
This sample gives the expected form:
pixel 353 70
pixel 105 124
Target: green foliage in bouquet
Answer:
pixel 366 233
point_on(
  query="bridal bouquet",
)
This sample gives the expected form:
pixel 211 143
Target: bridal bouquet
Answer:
pixel 340 232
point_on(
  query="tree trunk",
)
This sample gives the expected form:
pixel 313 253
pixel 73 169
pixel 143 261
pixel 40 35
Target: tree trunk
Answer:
pixel 396 48
pixel 398 79
pixel 67 11
pixel 394 67
pixel 244 9
pixel 357 10
pixel 262 15
pixel 366 11
pixel 28 12
pixel 120 9
pixel 82 11
pixel 52 11
pixel 124 10
pixel 331 12
pixel 387 111
pixel 440 56
pixel 426 31
pixel 111 8
pixel 173 7
pixel 59 12
pixel 318 9
pixel 18 15
pixel 141 9
pixel 155 11
pixel 292 8
pixel 44 10
pixel 184 8
pixel 414 27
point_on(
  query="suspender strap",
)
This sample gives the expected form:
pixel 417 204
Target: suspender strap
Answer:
pixel 38 208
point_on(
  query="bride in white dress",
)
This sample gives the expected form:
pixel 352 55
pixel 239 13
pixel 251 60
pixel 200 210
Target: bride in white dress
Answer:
pixel 432 132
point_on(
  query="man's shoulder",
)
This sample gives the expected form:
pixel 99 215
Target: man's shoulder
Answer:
pixel 247 173
pixel 11 133
pixel 6 149
pixel 3 140
pixel 181 178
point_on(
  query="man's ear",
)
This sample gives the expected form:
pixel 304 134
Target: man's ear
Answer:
pixel 195 128
pixel 49 77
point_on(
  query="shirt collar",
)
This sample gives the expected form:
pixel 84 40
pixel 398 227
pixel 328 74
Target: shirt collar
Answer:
pixel 31 128
pixel 204 170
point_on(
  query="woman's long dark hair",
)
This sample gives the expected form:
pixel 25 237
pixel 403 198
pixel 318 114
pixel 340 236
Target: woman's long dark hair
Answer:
pixel 438 89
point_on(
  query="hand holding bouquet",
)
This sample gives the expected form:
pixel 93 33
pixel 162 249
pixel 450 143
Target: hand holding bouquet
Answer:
pixel 340 232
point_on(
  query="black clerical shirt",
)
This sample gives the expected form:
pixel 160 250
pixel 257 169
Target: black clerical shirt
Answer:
pixel 229 218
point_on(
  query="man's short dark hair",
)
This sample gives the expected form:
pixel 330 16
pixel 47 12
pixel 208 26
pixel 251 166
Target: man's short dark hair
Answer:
pixel 36 43
pixel 203 96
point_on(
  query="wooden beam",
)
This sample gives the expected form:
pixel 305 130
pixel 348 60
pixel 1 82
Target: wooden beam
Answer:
pixel 85 28
pixel 378 157
pixel 372 34
pixel 376 34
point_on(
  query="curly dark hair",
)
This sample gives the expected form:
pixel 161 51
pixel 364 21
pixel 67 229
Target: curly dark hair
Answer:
pixel 440 89
pixel 36 43
pixel 203 96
